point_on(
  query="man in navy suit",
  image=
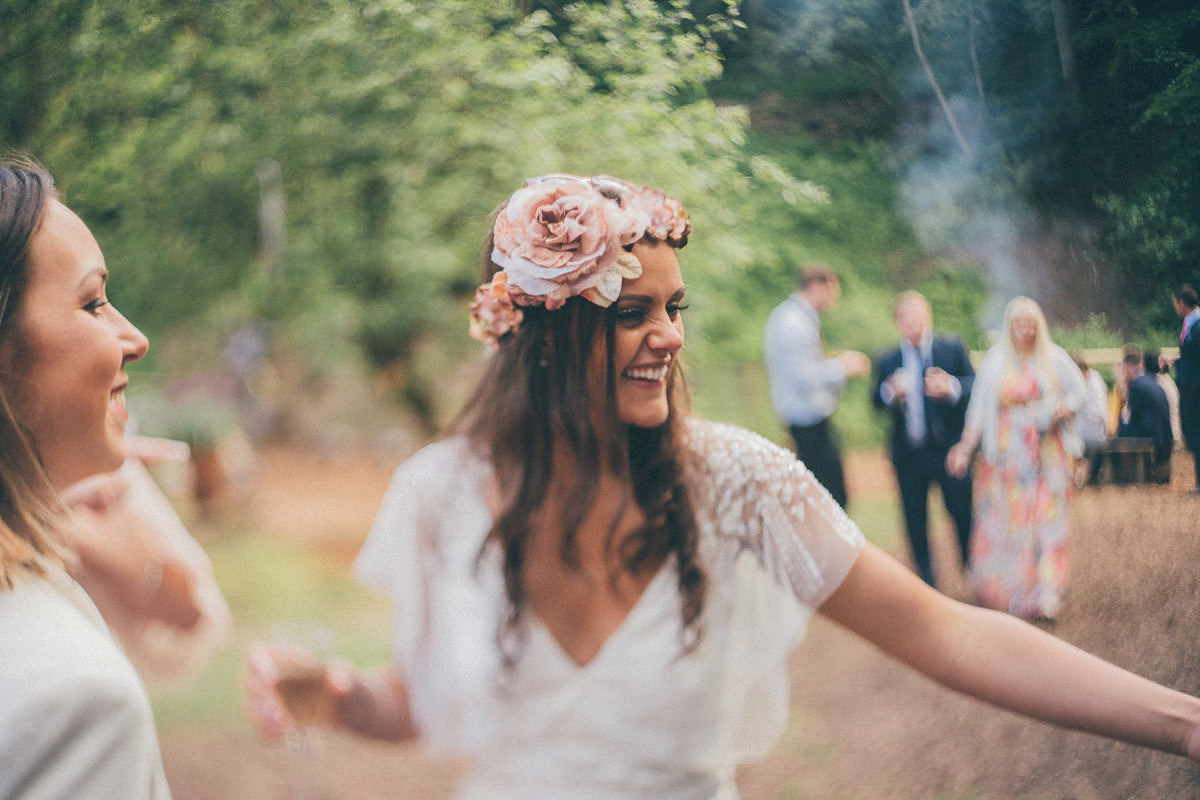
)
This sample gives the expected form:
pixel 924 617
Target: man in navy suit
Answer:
pixel 1147 414
pixel 1187 371
pixel 925 383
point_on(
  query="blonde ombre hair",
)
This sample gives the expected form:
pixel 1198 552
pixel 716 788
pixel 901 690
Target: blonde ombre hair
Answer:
pixel 1022 307
pixel 29 505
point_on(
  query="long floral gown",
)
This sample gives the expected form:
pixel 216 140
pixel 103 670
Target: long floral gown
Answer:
pixel 1019 545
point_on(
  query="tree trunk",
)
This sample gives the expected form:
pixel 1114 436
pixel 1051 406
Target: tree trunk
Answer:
pixel 979 121
pixel 937 89
pixel 1066 52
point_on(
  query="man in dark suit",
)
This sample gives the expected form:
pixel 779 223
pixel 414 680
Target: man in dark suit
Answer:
pixel 1147 414
pixel 925 384
pixel 1187 371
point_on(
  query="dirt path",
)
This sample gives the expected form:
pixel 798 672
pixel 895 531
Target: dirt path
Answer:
pixel 862 726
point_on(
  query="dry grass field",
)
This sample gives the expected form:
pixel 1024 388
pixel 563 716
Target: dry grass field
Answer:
pixel 863 728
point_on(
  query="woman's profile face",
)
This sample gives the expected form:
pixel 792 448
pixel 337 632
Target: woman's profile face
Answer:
pixel 1024 332
pixel 66 359
pixel 649 335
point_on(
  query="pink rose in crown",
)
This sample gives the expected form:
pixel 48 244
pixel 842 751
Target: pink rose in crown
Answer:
pixel 625 195
pixel 669 220
pixel 558 237
pixel 492 312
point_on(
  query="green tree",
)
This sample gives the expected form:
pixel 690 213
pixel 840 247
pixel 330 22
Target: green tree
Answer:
pixel 396 125
pixel 1137 134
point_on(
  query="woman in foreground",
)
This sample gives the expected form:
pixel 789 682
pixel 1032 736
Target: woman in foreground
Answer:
pixel 596 594
pixel 75 721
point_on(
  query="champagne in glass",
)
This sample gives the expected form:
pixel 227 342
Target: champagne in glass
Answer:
pixel 301 685
pixel 300 653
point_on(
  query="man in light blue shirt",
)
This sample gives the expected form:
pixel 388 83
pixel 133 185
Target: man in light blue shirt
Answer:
pixel 805 381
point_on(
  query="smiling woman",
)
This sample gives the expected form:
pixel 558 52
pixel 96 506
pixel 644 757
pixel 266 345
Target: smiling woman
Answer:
pixel 596 594
pixel 648 335
pixel 71 350
pixel 76 721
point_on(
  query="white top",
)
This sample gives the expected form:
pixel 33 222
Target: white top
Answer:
pixel 75 721
pixel 1093 417
pixel 642 719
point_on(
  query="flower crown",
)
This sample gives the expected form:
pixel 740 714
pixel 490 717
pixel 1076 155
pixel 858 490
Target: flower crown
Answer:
pixel 562 235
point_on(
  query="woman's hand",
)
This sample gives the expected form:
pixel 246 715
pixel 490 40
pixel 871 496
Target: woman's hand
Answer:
pixel 120 527
pixel 958 459
pixel 1062 415
pixel 270 666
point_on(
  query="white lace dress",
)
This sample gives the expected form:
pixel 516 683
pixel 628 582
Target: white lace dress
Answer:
pixel 642 719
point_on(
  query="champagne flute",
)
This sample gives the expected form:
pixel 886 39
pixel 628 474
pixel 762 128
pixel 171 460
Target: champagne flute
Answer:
pixel 301 652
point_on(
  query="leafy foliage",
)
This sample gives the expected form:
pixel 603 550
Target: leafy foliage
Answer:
pixel 396 127
pixel 1067 115
pixel 1139 160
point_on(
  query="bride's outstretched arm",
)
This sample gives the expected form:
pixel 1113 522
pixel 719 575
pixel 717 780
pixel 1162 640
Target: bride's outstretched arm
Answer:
pixel 1007 662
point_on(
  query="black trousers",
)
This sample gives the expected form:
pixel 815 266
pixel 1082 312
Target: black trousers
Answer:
pixel 916 469
pixel 1189 419
pixel 817 446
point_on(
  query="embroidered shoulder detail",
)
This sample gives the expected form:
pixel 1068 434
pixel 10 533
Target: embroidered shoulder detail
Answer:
pixel 754 495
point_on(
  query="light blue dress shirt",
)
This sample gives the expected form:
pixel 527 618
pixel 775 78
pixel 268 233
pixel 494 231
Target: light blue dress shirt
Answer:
pixel 805 383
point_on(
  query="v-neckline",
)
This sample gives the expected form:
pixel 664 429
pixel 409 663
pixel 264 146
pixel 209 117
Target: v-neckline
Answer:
pixel 635 610
pixel 535 622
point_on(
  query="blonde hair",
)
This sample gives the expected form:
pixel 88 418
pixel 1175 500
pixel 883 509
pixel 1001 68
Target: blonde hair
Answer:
pixel 29 505
pixel 1021 307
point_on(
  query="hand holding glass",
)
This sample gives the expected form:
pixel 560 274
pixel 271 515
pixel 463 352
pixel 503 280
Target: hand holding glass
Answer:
pixel 288 693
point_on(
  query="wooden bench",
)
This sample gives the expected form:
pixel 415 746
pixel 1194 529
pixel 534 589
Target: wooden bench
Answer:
pixel 1129 460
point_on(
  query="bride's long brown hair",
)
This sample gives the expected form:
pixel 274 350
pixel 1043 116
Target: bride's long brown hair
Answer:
pixel 533 402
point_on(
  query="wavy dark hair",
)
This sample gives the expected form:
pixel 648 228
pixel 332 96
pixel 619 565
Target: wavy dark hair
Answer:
pixel 534 400
pixel 29 509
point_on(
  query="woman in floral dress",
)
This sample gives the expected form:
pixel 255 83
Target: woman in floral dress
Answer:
pixel 1022 418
